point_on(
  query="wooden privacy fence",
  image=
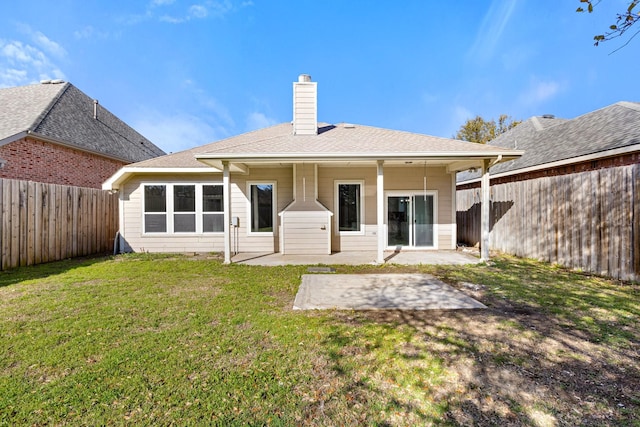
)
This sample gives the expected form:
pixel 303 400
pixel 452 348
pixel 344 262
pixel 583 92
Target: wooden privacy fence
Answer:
pixel 47 222
pixel 588 221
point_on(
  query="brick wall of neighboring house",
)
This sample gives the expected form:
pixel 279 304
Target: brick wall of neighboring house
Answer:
pixel 34 160
pixel 608 162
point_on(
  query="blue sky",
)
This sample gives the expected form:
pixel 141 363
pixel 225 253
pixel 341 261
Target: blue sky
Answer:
pixel 185 73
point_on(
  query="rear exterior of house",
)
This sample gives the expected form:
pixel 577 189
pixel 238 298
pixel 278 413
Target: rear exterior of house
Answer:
pixel 299 188
pixel 184 213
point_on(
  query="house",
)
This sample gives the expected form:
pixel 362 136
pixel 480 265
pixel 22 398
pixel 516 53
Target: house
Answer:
pixel 52 132
pixel 302 187
pixel 573 198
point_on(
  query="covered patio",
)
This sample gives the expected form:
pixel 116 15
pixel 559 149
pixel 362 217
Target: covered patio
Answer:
pixel 439 257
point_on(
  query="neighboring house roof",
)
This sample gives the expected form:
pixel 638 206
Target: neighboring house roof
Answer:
pixel 546 141
pixel 342 142
pixel 61 113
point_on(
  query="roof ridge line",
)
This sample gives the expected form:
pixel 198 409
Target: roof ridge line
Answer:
pixel 47 110
pixel 631 105
pixel 536 123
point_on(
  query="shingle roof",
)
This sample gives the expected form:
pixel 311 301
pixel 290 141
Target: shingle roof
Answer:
pixel 341 139
pixel 547 140
pixel 63 113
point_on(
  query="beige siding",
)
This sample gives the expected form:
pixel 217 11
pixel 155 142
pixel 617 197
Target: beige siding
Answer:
pixel 303 235
pixel 396 178
pixel 306 232
pixel 252 242
pixel 132 218
pixel 305 109
pixel 132 215
pixel 327 176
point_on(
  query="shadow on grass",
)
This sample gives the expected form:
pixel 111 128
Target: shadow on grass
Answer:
pixel 554 347
pixel 41 271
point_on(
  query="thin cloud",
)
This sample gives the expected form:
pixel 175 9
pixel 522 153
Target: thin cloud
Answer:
pixel 49 45
pixel 490 32
pixel 257 120
pixel 462 114
pixel 207 103
pixel 539 92
pixel 12 77
pixel 45 43
pixel 204 120
pixel 89 32
pixel 196 11
pixel 23 63
pixel 175 132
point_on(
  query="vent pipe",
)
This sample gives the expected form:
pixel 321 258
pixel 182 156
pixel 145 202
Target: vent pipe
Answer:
pixel 305 106
pixel 95 109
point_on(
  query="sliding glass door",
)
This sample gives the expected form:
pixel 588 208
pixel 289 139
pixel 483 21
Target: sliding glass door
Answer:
pixel 410 220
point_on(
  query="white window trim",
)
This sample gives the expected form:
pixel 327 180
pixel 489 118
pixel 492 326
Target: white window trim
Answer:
pixel 337 207
pixel 170 209
pixel 414 193
pixel 274 203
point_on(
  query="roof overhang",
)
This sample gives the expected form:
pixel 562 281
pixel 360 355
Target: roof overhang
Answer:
pixel 559 163
pixel 123 174
pixel 30 134
pixel 13 138
pixel 454 161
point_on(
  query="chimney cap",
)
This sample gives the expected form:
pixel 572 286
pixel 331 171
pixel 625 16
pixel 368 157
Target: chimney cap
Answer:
pixel 304 78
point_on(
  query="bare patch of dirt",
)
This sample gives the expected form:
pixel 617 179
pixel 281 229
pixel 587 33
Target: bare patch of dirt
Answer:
pixel 515 365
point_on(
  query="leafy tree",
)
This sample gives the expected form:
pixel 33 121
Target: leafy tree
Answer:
pixel 624 21
pixel 482 131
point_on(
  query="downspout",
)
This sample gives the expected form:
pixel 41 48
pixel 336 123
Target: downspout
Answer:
pixel 226 206
pixel 380 212
pixel 485 190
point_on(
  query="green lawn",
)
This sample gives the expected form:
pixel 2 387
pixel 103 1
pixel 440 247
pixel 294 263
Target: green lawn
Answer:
pixel 158 340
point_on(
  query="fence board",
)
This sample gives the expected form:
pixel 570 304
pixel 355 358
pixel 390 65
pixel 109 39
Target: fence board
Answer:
pixel 31 222
pixel 15 224
pixel 635 222
pixel 588 220
pixel 46 222
pixel 3 237
pixel 3 227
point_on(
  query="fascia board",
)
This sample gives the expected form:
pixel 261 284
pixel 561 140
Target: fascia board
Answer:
pixel 13 138
pixel 276 157
pixel 124 173
pixel 559 163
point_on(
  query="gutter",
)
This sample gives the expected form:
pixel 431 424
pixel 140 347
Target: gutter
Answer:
pixel 113 183
pixel 276 157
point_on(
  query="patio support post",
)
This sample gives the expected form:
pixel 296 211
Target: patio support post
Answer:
pixel 380 194
pixel 485 212
pixel 226 206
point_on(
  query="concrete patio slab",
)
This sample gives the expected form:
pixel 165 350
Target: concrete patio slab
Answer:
pixel 379 292
pixel 357 258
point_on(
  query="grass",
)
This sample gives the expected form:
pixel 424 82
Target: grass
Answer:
pixel 165 339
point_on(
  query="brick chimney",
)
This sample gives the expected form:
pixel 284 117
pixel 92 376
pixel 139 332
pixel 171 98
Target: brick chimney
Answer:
pixel 305 106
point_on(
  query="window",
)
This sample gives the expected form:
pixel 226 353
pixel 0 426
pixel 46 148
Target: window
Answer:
pixel 183 208
pixel 349 203
pixel 155 208
pixel 261 200
pixel 212 211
